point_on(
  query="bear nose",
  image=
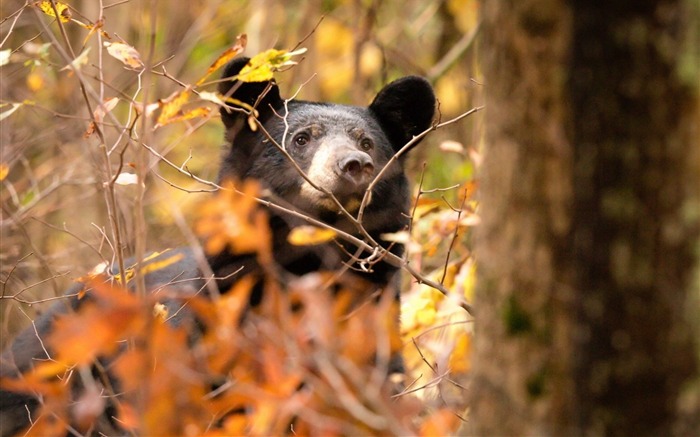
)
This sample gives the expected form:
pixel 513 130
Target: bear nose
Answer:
pixel 356 166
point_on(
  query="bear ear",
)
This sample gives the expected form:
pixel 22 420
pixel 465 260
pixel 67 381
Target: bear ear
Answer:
pixel 404 109
pixel 263 96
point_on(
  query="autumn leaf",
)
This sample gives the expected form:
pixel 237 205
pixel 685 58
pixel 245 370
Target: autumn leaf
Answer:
pixel 5 57
pixel 442 422
pixel 187 115
pixel 112 316
pixel 226 56
pixel 126 178
pixel 233 219
pixel 93 28
pixel 261 66
pixel 79 61
pixel 128 55
pixel 172 105
pixel 4 170
pixel 5 114
pixel 63 11
pixel 452 146
pixel 310 235
pixel 104 108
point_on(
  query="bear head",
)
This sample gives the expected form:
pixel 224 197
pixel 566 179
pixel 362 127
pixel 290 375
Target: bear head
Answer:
pixel 340 148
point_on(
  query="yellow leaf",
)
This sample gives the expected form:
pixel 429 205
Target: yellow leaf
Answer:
pixel 63 11
pixel 310 235
pixel 459 359
pixel 230 53
pixel 261 66
pixel 160 312
pixel 35 81
pixel 4 170
pixel 128 55
pixel 160 264
pixel 172 106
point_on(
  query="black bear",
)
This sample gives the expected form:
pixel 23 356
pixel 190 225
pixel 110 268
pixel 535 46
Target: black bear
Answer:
pixel 337 152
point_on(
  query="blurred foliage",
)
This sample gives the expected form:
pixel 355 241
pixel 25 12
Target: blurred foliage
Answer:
pixel 56 186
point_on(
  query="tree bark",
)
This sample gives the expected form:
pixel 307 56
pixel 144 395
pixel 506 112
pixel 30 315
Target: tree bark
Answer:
pixel 590 217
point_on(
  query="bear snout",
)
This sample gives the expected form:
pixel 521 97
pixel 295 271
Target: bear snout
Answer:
pixel 356 167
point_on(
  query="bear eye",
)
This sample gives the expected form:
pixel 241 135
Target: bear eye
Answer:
pixel 301 139
pixel 366 144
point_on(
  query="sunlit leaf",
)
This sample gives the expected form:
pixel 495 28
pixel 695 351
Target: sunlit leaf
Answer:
pixel 5 57
pixel 78 62
pixel 126 179
pixel 233 219
pixel 35 81
pixel 160 264
pixel 442 422
pixel 310 235
pixel 212 97
pixel 188 115
pixel 160 312
pixel 5 114
pixel 460 358
pixel 226 56
pixel 452 146
pixel 4 170
pixel 63 11
pixel 114 315
pixel 128 55
pixel 172 104
pixel 261 66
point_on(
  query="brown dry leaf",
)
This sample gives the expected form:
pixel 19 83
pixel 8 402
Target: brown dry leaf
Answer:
pixel 94 28
pixel 63 11
pixel 99 114
pixel 125 53
pixel 226 56
pixel 307 235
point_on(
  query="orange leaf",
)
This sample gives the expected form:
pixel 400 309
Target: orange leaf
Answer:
pixel 188 115
pixel 230 53
pixel 442 422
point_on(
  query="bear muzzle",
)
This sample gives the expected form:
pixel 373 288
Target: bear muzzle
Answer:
pixel 357 168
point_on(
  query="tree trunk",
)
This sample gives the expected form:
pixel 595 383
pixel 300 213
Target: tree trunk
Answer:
pixel 590 207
